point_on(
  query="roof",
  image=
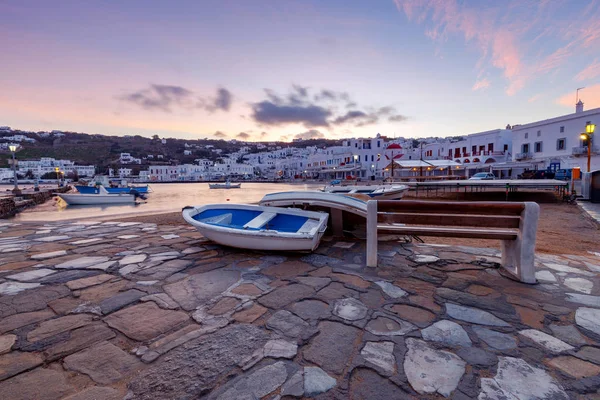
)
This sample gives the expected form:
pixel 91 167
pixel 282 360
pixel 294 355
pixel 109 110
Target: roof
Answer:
pixel 428 163
pixel 394 146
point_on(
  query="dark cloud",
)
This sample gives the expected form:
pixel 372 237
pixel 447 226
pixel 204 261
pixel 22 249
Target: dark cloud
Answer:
pixel 243 135
pixel 168 97
pixel 284 138
pixel 311 134
pixel 220 135
pixel 263 134
pixel 270 113
pixel 321 109
pixel 361 118
pixel 222 101
pixel 161 97
pixel 397 118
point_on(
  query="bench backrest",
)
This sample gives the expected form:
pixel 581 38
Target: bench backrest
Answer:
pixel 457 214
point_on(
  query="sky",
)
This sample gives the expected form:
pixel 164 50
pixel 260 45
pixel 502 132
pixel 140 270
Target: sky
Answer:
pixel 283 69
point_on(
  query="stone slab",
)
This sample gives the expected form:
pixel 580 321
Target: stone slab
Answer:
pixel 31 275
pixel 380 354
pixel 104 362
pixel 79 339
pixel 39 384
pixel 19 320
pixel 333 346
pixel 15 362
pixel 97 393
pixel 448 333
pixel 81 262
pixel 196 290
pixel 145 321
pixel 432 371
pixel 588 318
pixel 548 342
pixel 58 325
pixel 473 315
pixel 283 296
pixel 317 381
pixel 496 340
pixel 86 282
pixel 120 300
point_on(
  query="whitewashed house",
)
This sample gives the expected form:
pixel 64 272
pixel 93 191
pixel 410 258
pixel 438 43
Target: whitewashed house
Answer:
pixel 556 142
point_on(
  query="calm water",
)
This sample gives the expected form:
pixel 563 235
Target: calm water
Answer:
pixel 165 197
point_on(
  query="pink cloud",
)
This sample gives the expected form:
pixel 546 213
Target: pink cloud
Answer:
pixel 481 84
pixel 534 98
pixel 507 34
pixel 589 72
pixel 590 97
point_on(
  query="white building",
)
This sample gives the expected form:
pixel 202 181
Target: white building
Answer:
pixel 48 164
pixel 555 142
pixel 126 158
pixel 18 138
pixel 187 152
pixel 5 129
pixel 480 148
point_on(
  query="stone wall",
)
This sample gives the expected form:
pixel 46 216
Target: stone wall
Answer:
pixel 7 207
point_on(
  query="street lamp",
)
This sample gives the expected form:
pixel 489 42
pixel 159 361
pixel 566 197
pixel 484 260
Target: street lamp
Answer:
pixel 587 135
pixel 56 171
pixel 13 150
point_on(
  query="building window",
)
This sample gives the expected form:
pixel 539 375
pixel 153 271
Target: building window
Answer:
pixel 526 135
pixel 490 146
pixel 539 133
pixel 561 144
pixel 525 148
pixel 538 147
pixel 378 143
pixel 562 129
pixel 372 157
pixel 366 158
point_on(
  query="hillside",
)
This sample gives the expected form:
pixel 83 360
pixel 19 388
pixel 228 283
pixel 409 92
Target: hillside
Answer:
pixel 103 151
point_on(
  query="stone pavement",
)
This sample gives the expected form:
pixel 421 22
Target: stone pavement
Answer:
pixel 138 311
pixel 592 209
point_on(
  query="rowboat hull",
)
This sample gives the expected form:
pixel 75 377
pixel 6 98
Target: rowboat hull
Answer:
pixel 97 199
pixel 307 200
pixel 384 192
pixel 258 239
pixel 224 185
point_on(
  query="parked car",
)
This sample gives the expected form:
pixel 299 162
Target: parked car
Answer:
pixel 483 176
pixel 543 174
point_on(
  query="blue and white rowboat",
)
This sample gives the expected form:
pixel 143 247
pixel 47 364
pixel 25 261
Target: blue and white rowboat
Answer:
pixel 127 190
pixel 257 227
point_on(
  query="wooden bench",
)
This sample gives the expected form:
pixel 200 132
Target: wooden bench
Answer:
pixel 515 224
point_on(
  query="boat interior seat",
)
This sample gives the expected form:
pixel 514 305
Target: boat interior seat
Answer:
pixel 260 221
pixel 308 226
pixel 223 219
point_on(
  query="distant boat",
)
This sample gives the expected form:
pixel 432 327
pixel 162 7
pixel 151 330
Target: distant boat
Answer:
pixel 127 190
pixel 226 185
pixel 258 228
pixel 381 192
pixel 102 197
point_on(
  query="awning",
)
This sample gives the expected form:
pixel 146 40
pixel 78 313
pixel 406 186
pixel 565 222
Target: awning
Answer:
pixel 424 164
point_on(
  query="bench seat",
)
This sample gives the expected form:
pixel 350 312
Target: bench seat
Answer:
pixel 260 220
pixel 474 233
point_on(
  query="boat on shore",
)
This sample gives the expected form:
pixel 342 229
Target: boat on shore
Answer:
pixel 100 198
pixel 376 192
pixel 258 228
pixel 226 185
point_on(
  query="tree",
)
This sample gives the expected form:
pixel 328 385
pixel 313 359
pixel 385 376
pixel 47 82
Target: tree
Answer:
pixel 29 174
pixel 73 175
pixel 49 175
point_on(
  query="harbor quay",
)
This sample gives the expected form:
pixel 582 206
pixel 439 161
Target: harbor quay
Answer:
pixel 132 310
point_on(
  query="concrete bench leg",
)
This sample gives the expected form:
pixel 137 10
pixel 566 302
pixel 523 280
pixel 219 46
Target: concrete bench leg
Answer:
pixel 372 233
pixel 518 256
pixel 337 224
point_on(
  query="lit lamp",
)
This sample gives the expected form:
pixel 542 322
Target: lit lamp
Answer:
pixel 587 135
pixel 13 150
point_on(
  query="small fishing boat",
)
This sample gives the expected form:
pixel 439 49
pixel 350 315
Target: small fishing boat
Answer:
pixel 258 228
pixel 127 190
pixel 101 198
pixel 226 185
pixel 381 192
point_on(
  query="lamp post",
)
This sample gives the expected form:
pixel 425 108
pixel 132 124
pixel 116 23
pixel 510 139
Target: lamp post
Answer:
pixel 13 150
pixel 56 171
pixel 372 172
pixel 587 135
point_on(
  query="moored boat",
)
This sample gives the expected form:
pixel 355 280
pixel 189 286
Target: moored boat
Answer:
pixel 379 192
pixel 127 190
pixel 226 185
pixel 257 227
pixel 101 198
pixel 316 200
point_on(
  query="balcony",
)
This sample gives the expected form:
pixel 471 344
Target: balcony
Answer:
pixel 523 156
pixel 582 150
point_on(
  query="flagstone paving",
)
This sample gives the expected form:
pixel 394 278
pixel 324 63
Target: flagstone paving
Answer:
pixel 118 310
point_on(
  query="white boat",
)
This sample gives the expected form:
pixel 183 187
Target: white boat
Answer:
pixel 258 228
pixel 102 197
pixel 380 192
pixel 316 200
pixel 226 185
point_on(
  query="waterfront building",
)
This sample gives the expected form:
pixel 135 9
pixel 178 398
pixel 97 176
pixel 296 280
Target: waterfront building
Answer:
pixel 555 142
pixel 48 164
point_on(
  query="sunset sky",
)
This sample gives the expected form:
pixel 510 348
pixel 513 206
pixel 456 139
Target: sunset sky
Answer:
pixel 276 70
